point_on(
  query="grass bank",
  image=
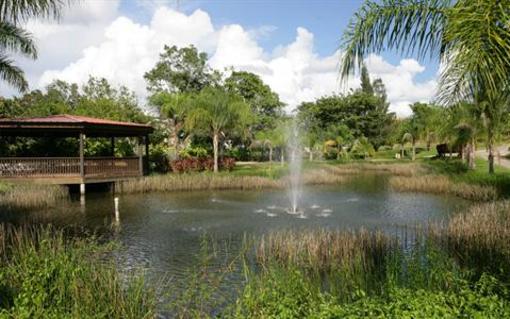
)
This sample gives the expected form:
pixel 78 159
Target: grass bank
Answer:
pixel 44 275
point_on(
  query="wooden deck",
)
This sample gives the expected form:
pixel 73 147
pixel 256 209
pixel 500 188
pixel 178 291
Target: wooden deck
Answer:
pixel 67 170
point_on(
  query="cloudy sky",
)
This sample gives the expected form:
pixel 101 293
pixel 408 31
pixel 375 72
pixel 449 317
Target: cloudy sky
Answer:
pixel 291 44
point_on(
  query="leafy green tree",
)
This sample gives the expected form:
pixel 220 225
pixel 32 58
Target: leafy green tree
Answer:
pixel 341 135
pixel 181 70
pixel 264 103
pixel 427 119
pixel 15 39
pixel 173 109
pixel 471 37
pixel 217 113
pixel 363 114
pixel 366 86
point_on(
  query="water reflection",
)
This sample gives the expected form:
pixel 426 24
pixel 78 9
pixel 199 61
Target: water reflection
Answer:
pixel 163 231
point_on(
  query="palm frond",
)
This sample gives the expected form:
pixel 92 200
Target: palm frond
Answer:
pixel 407 26
pixel 16 11
pixel 16 39
pixel 12 74
pixel 478 37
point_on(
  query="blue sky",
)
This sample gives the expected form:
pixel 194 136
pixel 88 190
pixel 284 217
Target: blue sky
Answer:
pixel 292 45
pixel 326 19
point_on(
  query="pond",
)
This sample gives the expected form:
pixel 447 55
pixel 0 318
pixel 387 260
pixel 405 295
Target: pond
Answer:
pixel 162 232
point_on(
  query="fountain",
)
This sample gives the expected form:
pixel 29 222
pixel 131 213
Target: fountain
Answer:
pixel 295 159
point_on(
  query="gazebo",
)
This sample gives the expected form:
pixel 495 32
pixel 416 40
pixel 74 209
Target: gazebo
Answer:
pixel 74 170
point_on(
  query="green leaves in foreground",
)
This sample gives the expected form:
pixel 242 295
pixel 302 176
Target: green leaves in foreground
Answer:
pixel 280 294
pixel 43 275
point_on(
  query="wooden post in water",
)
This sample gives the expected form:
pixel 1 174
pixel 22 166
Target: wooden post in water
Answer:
pixel 82 164
pixel 140 156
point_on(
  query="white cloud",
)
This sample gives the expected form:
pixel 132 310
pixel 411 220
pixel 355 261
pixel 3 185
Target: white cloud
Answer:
pixel 122 50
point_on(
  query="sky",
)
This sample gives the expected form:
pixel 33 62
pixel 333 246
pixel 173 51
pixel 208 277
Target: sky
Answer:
pixel 293 45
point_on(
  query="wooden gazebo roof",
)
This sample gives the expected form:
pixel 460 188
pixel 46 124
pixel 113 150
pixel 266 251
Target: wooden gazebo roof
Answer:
pixel 71 125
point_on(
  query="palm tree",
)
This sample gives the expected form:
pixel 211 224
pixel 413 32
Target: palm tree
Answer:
pixel 470 37
pixel 216 113
pixel 173 108
pixel 14 39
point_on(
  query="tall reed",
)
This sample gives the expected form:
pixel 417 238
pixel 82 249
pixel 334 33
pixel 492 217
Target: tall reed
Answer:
pixel 439 184
pixel 29 196
pixel 45 275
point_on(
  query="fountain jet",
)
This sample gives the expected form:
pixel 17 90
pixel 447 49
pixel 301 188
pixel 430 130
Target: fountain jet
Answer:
pixel 295 163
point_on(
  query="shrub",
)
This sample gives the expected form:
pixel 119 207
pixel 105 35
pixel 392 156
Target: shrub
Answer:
pixel 384 148
pixel 191 151
pixel 197 164
pixel 158 159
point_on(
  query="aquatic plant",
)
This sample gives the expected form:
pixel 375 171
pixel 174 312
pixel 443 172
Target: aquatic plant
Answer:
pixel 30 196
pixel 45 275
pixel 439 184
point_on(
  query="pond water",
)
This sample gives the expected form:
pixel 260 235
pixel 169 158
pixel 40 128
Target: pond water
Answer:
pixel 162 232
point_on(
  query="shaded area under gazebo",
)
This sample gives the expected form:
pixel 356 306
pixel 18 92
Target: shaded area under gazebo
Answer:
pixel 78 169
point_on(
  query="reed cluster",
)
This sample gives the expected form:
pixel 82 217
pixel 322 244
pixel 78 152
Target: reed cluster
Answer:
pixel 45 275
pixel 191 182
pixel 408 169
pixel 439 184
pixel 29 196
pixel 478 238
pixel 324 250
pixel 201 181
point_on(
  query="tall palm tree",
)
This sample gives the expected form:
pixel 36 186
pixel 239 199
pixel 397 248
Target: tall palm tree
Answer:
pixel 173 109
pixel 471 38
pixel 218 113
pixel 15 40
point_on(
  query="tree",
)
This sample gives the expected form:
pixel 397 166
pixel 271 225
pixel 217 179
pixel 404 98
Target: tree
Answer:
pixel 470 37
pixel 181 70
pixel 366 86
pixel 217 113
pixel 340 134
pixel 15 39
pixel 173 108
pixel 264 103
pixel 363 114
pixel 427 120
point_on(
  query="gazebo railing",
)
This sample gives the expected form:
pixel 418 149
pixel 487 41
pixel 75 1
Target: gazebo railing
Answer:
pixel 40 167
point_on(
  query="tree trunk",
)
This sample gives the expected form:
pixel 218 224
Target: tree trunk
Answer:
pixel 311 155
pixel 282 157
pixel 270 154
pixel 471 154
pixel 401 151
pixel 490 147
pixel 215 150
pixel 414 150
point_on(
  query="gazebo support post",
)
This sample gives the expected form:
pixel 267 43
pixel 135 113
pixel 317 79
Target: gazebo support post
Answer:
pixel 82 164
pixel 140 156
pixel 147 141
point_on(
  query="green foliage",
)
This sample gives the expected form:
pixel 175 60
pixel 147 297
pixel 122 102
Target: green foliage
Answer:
pixel 363 114
pixel 362 148
pixel 45 276
pixel 180 70
pixel 194 152
pixel 17 40
pixel 217 114
pixel 264 103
